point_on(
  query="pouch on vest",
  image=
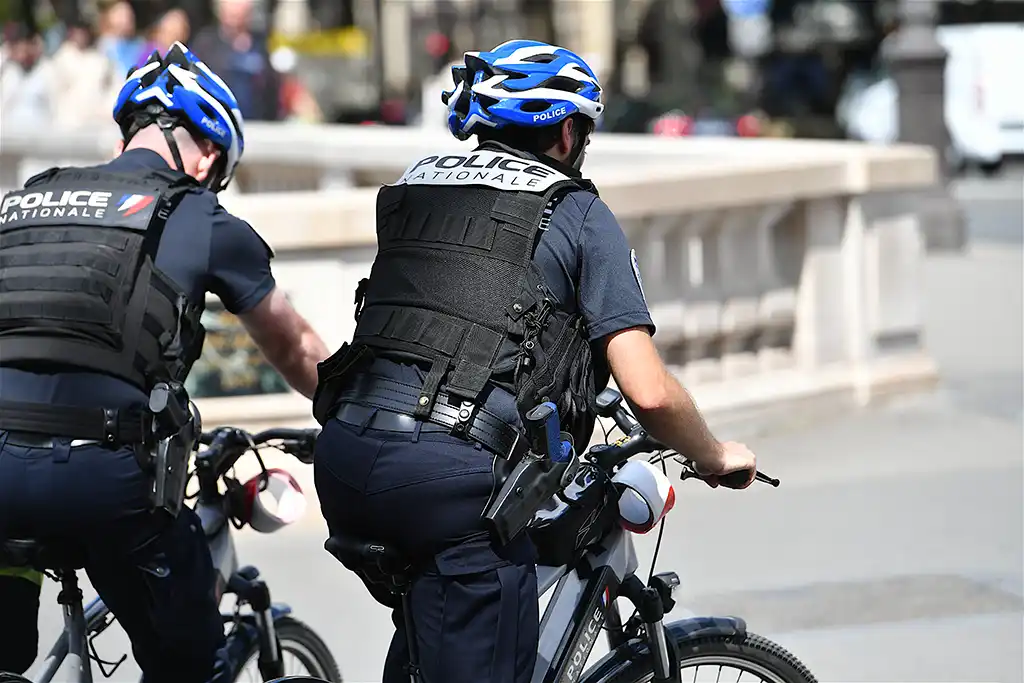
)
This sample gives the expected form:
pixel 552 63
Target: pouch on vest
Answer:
pixel 331 375
pixel 80 287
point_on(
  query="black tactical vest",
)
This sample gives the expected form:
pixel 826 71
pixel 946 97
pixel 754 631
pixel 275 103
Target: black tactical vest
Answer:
pixel 78 285
pixel 454 285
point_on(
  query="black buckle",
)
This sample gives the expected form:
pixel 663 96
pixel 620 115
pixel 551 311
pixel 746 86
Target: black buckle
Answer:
pixel 110 424
pixel 462 420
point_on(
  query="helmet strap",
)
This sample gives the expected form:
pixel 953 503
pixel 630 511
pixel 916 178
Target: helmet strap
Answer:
pixel 167 125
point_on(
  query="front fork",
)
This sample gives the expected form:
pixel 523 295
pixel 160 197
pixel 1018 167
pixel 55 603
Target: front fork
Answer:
pixel 246 584
pixel 652 603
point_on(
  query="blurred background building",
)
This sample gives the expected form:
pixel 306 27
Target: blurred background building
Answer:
pixel 807 68
pixel 943 73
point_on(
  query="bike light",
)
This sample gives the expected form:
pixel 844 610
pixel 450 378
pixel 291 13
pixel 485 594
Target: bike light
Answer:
pixel 273 506
pixel 646 495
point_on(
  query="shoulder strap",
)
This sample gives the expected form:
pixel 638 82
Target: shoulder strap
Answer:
pixel 42 177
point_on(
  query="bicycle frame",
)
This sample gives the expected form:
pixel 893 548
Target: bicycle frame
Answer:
pixel 82 625
pixel 578 608
pixel 582 605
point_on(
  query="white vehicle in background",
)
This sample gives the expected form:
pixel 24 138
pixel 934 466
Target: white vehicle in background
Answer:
pixel 984 104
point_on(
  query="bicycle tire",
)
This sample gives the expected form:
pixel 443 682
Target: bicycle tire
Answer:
pixel 750 649
pixel 13 678
pixel 312 650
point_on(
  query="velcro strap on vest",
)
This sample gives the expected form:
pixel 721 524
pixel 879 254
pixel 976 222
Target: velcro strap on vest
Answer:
pixel 476 357
pixel 431 383
pixel 484 427
pixel 113 426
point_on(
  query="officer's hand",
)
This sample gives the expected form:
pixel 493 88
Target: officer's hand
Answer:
pixel 733 457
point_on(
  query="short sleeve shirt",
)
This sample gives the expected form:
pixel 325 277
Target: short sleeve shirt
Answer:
pixel 203 249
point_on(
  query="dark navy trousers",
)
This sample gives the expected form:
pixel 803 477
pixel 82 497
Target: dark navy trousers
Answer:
pixel 152 571
pixel 474 607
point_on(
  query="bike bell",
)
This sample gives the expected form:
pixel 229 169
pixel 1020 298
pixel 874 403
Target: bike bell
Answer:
pixel 646 495
pixel 273 506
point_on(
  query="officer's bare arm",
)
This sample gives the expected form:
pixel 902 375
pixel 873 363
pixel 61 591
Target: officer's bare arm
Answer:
pixel 287 340
pixel 659 401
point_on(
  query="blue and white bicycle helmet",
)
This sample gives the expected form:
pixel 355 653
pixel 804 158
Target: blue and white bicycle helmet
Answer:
pixel 522 83
pixel 180 90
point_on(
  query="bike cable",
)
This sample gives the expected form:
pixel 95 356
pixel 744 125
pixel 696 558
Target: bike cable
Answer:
pixel 661 525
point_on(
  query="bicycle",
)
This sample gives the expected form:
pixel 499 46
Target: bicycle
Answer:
pixel 265 633
pixel 586 587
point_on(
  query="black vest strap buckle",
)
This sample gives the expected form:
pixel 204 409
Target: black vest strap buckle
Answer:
pixel 109 425
pixel 463 419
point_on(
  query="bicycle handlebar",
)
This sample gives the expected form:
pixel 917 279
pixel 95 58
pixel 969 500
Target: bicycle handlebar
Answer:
pixel 274 434
pixel 225 445
pixel 637 440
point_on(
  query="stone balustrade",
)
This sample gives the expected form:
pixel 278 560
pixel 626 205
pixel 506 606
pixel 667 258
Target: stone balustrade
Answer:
pixel 295 157
pixel 775 280
pixel 778 272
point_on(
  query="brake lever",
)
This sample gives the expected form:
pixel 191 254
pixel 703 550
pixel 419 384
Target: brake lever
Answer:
pixel 689 471
pixel 300 450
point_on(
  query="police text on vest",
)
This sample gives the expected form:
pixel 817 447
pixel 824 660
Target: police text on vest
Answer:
pixel 77 203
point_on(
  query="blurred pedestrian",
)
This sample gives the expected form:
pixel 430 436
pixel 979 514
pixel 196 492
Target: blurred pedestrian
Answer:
pixel 117 39
pixel 239 54
pixel 83 82
pixel 24 96
pixel 170 27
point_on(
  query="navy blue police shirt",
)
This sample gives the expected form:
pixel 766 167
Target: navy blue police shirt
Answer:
pixel 203 249
pixel 587 264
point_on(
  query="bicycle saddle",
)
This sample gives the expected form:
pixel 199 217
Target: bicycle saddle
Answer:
pixel 377 562
pixel 19 552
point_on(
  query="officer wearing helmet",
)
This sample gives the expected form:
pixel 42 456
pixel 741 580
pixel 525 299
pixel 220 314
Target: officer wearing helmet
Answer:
pixel 105 271
pixel 501 281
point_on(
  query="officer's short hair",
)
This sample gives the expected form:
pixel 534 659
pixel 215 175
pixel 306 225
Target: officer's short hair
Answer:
pixel 533 140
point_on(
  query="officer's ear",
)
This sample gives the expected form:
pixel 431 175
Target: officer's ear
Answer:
pixel 565 141
pixel 206 162
pixel 118 148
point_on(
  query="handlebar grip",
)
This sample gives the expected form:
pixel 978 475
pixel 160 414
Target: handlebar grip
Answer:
pixel 622 420
pixel 543 428
pixel 734 480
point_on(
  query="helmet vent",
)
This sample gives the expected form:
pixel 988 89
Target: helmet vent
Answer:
pixel 564 83
pixel 535 106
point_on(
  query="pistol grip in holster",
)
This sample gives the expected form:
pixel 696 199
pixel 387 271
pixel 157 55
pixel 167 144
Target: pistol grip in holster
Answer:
pixel 176 434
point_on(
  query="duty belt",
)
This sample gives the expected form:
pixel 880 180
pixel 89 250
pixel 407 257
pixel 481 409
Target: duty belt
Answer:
pixel 467 421
pixel 111 426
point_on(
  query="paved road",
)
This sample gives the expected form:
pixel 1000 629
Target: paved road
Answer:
pixel 893 550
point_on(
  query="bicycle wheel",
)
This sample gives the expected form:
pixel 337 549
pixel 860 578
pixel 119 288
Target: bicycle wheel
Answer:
pixel 13 678
pixel 302 650
pixel 746 659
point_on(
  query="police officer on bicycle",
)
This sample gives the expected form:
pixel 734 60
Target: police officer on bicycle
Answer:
pixel 104 271
pixel 501 281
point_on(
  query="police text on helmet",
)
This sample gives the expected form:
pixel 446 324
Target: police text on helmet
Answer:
pixel 548 115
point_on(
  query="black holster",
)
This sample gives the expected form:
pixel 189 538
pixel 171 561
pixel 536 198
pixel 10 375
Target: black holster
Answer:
pixel 530 484
pixel 177 428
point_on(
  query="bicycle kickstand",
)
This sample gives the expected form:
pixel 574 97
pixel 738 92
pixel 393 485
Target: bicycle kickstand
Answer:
pixel 410 636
